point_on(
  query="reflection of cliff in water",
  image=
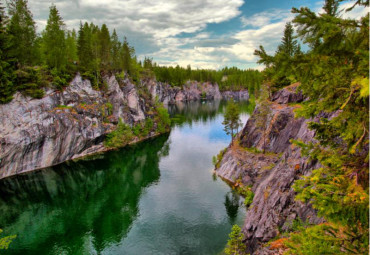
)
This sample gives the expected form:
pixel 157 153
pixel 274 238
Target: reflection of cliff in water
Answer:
pixel 79 207
pixel 204 110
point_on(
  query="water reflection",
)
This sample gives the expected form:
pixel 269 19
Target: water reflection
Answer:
pixel 79 207
pixel 157 197
pixel 232 199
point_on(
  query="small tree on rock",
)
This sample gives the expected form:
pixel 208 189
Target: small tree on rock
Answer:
pixel 232 119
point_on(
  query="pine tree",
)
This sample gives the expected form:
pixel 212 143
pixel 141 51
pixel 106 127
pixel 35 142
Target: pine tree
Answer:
pixel 54 41
pixel 6 70
pixel 22 32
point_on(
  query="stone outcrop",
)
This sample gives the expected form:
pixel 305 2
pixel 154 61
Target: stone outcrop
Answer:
pixel 37 133
pixel 191 91
pixel 271 174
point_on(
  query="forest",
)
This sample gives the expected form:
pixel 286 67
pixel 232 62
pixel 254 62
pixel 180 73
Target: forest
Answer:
pixel 31 61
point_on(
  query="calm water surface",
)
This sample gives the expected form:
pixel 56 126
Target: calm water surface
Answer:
pixel 157 197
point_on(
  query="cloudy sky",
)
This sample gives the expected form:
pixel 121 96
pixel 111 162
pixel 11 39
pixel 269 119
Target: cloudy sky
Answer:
pixel 202 33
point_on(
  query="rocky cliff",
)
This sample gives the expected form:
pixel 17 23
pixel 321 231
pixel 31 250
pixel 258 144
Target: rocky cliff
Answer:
pixel 191 91
pixel 271 174
pixel 37 133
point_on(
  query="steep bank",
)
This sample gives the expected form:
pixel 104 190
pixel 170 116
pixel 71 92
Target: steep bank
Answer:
pixel 37 133
pixel 272 174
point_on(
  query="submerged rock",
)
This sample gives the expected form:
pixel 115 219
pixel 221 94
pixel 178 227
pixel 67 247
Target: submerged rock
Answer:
pixel 272 174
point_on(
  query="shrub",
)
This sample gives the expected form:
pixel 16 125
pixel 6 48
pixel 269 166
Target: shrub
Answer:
pixel 119 137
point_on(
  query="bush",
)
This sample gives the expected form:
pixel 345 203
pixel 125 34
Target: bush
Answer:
pixel 119 137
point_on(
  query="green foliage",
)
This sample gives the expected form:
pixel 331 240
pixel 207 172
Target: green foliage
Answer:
pixel 6 69
pixel 5 241
pixel 54 40
pixel 22 31
pixel 119 137
pixel 325 239
pixel 248 195
pixel 280 68
pixel 334 77
pixel 217 159
pixel 227 78
pixel 31 81
pixel 235 244
pixel 163 119
pixel 231 119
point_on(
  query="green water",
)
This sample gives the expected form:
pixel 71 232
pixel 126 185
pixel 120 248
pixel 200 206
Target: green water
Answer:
pixel 157 197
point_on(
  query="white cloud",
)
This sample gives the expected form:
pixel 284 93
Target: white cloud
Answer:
pixel 264 18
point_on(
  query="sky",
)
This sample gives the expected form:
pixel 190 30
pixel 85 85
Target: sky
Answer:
pixel 208 34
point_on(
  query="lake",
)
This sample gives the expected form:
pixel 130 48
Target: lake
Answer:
pixel 155 197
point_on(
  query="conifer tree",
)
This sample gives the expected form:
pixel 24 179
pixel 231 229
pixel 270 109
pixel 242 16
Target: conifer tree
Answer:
pixel 6 70
pixel 104 46
pixel 54 41
pixel 115 51
pixel 22 32
pixel 334 75
pixel 84 47
pixel 231 119
pixel 71 46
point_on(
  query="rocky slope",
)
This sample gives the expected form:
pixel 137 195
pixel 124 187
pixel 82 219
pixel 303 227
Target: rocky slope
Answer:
pixel 36 133
pixel 272 174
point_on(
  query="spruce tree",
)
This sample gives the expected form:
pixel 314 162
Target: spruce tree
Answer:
pixel 71 46
pixel 115 51
pixel 6 70
pixel 104 46
pixel 22 32
pixel 84 48
pixel 54 41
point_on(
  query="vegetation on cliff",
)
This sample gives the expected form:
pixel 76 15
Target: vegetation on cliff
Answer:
pixel 334 77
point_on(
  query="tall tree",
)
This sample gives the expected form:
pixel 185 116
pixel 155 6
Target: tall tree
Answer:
pixel 104 46
pixel 54 41
pixel 84 47
pixel 22 31
pixel 115 51
pixel 71 46
pixel 6 70
pixel 127 53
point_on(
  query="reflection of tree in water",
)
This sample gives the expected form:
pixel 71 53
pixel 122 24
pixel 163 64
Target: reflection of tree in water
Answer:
pixel 186 112
pixel 232 205
pixel 79 207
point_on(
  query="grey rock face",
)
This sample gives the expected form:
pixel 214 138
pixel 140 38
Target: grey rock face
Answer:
pixel 272 174
pixel 238 95
pixel 37 133
pixel 191 91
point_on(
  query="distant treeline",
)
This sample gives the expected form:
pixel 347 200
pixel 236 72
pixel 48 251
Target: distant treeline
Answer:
pixel 31 61
pixel 227 78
